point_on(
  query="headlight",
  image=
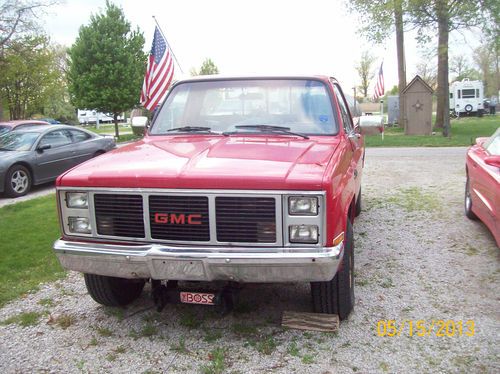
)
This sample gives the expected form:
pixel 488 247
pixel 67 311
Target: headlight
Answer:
pixel 303 206
pixel 77 200
pixel 79 225
pixel 303 233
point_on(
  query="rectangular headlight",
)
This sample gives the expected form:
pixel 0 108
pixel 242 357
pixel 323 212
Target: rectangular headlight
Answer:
pixel 79 225
pixel 303 234
pixel 302 206
pixel 79 200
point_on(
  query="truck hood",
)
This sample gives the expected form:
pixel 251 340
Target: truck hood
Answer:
pixel 210 162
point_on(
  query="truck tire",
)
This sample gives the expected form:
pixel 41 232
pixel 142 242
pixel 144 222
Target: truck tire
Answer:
pixel 357 208
pixel 112 291
pixel 468 108
pixel 337 295
pixel 468 201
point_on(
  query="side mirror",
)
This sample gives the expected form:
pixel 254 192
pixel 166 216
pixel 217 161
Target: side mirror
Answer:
pixel 44 147
pixel 371 125
pixel 492 161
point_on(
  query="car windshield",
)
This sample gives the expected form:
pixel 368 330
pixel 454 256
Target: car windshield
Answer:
pixel 278 106
pixel 4 129
pixel 18 141
pixel 492 145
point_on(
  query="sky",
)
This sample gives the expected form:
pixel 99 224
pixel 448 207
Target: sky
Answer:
pixel 255 37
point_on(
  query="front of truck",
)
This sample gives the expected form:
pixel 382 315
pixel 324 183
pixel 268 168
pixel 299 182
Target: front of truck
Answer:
pixel 228 185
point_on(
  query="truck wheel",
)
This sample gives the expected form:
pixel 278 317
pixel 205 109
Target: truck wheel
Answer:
pixel 112 291
pixel 17 181
pixel 357 208
pixel 468 108
pixel 337 296
pixel 468 201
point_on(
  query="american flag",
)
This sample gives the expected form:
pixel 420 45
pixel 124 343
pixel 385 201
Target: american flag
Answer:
pixel 159 73
pixel 379 87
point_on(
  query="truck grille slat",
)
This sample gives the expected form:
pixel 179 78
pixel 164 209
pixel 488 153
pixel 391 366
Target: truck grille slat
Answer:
pixel 119 215
pixel 183 218
pixel 246 219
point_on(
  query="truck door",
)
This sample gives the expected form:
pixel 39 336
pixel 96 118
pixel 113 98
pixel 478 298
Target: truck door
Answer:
pixel 355 140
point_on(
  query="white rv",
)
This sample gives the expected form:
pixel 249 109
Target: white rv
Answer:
pixel 467 97
pixel 91 116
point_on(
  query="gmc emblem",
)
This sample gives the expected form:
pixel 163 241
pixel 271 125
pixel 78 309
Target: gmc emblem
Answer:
pixel 177 219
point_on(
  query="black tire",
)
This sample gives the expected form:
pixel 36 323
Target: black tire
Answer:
pixel 112 291
pixel 468 201
pixel 357 208
pixel 17 181
pixel 468 108
pixel 337 296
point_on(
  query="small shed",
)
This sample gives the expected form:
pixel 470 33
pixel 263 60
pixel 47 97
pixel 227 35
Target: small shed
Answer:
pixel 418 107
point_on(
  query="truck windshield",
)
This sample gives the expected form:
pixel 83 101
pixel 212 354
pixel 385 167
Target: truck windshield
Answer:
pixel 232 106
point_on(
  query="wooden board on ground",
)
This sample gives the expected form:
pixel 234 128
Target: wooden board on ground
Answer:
pixel 310 321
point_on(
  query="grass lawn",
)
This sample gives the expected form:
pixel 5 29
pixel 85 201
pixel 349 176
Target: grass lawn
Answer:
pixel 464 131
pixel 27 231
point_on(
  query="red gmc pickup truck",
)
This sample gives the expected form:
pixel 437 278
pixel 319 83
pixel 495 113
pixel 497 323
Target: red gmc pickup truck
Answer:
pixel 239 180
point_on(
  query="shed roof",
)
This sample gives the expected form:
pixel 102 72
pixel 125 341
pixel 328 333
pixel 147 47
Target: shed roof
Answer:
pixel 414 81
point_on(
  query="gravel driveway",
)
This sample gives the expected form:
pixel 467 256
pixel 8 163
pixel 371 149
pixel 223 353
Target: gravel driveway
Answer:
pixel 417 258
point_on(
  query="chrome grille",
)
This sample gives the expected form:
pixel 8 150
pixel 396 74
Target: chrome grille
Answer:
pixel 246 219
pixel 119 215
pixel 179 218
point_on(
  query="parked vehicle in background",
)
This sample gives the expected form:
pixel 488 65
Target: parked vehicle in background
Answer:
pixel 238 180
pixel 52 121
pixel 39 154
pixel 482 187
pixel 86 117
pixel 8 126
pixel 467 97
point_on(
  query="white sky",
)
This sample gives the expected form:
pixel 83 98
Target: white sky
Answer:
pixel 257 36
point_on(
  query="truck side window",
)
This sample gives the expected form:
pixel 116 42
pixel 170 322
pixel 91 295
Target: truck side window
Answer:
pixel 459 94
pixel 344 112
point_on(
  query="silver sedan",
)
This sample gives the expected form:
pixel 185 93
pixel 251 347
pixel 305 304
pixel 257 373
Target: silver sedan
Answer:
pixel 39 154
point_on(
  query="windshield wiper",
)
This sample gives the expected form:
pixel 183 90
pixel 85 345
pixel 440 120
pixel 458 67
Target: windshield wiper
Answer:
pixel 270 129
pixel 192 129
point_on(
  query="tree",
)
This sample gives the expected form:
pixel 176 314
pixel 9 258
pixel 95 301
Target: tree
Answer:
pixel 365 73
pixel 446 15
pixel 484 58
pixel 460 66
pixel 427 71
pixel 380 19
pixel 106 64
pixel 18 17
pixel 208 67
pixel 27 75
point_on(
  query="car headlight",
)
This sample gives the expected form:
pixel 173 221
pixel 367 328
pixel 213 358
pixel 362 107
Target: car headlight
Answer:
pixel 79 200
pixel 303 206
pixel 303 233
pixel 79 225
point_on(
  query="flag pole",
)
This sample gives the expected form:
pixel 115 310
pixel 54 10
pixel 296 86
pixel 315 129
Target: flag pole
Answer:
pixel 169 45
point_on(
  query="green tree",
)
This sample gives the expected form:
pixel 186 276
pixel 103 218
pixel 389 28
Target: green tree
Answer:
pixel 208 68
pixel 27 75
pixel 106 64
pixel 379 20
pixel 446 16
pixel 365 71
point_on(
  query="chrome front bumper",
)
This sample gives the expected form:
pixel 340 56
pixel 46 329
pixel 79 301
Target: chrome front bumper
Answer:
pixel 158 261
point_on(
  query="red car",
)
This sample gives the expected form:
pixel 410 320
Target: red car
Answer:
pixel 238 180
pixel 482 188
pixel 8 126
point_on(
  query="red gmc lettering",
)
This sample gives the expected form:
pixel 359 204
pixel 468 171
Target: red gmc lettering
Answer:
pixel 161 218
pixel 191 220
pixel 178 219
